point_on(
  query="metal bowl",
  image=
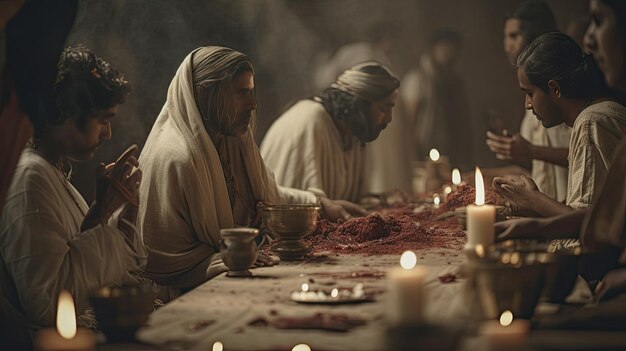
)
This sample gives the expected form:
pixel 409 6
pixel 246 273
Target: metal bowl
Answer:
pixel 120 311
pixel 289 224
pixel 509 281
pixel 239 251
pixel 561 276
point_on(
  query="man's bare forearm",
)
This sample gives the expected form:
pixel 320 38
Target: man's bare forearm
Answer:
pixel 564 226
pixel 545 206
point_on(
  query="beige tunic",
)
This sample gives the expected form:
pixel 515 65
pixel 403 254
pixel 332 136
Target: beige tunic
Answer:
pixel 606 223
pixel 44 251
pixel 306 151
pixel 595 136
pixel 184 195
pixel 550 178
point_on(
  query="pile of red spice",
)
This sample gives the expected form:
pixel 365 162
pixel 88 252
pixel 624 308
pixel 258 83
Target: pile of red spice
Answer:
pixel 378 234
pixel 465 194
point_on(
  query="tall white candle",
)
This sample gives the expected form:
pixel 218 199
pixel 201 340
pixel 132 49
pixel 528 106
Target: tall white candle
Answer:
pixel 480 218
pixel 66 337
pixel 405 291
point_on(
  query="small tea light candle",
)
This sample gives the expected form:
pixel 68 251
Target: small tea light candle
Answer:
pixel 446 191
pixel 301 347
pixel 217 346
pixel 405 291
pixel 456 177
pixel 505 333
pixel 66 337
pixel 434 155
pixel 480 218
pixel 436 200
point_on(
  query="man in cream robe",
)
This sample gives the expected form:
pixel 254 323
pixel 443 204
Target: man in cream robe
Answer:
pixel 44 250
pixel 312 145
pixel 194 186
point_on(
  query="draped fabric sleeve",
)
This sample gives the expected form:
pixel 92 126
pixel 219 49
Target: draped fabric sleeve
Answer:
pixel 44 251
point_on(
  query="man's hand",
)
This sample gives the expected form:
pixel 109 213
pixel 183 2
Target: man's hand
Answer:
pixel 108 197
pixel 514 148
pixel 519 194
pixel 523 228
pixel 613 284
pixel 340 210
pixel 264 261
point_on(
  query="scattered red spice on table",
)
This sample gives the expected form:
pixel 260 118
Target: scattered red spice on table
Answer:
pixel 447 278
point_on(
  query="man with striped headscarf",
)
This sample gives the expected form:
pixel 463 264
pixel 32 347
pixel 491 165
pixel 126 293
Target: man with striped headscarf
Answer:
pixel 319 143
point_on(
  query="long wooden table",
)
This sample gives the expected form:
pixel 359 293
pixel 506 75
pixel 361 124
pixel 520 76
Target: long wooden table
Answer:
pixel 222 309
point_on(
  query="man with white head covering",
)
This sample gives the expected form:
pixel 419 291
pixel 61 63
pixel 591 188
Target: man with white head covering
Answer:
pixel 203 171
pixel 320 142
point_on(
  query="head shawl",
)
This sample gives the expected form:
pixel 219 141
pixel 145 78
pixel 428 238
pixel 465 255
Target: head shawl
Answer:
pixel 213 68
pixel 366 86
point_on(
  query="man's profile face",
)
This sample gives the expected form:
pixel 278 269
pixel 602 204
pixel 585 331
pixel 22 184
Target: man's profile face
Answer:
pixel 543 104
pixel 381 114
pixel 514 40
pixel 81 143
pixel 243 102
pixel 445 53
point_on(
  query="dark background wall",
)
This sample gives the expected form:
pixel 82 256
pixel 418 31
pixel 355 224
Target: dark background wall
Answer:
pixel 148 39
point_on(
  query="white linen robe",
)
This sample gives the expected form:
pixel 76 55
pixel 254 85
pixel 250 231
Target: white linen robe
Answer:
pixel 184 196
pixel 43 250
pixel 305 150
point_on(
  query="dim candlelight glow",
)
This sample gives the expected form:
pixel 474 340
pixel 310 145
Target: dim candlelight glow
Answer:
pixel 301 347
pixel 434 154
pixel 447 190
pixel 506 318
pixel 217 346
pixel 408 260
pixel 456 176
pixel 480 188
pixel 436 199
pixel 305 287
pixel 334 292
pixel 480 250
pixel 66 316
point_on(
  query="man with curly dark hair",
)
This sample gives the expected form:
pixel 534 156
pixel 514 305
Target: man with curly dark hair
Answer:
pixel 50 239
pixel 319 143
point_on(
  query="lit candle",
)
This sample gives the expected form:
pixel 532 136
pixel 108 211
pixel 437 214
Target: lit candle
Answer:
pixel 506 332
pixel 434 155
pixel 446 191
pixel 217 346
pixel 301 347
pixel 456 177
pixel 480 218
pixel 436 200
pixel 66 337
pixel 405 291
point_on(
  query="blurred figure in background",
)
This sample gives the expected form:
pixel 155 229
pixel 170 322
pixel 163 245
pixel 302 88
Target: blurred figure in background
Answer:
pixel 434 100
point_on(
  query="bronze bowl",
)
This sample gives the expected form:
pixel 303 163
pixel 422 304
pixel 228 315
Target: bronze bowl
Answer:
pixel 289 224
pixel 239 251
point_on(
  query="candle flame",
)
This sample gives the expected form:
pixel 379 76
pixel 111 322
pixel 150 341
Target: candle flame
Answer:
pixel 408 260
pixel 506 318
pixel 456 176
pixel 334 292
pixel 66 315
pixel 305 287
pixel 480 250
pixel 480 188
pixel 434 154
pixel 447 190
pixel 436 199
pixel 301 347
pixel 217 346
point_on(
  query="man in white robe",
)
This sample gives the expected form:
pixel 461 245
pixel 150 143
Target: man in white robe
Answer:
pixel 50 239
pixel 203 169
pixel 320 142
pixel 576 97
